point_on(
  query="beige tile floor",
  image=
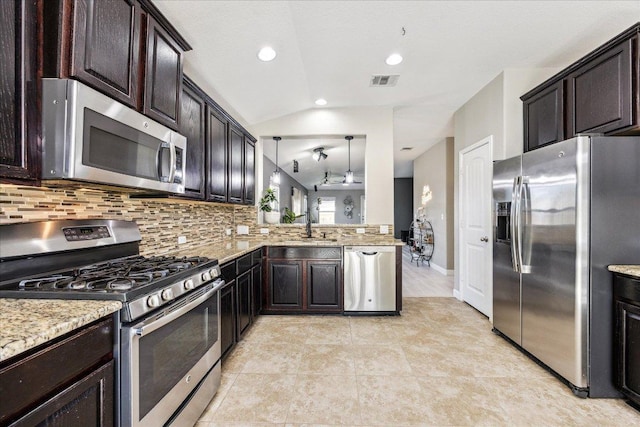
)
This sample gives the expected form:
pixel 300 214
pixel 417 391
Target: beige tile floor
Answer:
pixel 421 280
pixel 438 364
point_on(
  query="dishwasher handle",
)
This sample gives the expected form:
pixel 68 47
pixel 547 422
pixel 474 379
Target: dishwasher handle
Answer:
pixel 369 253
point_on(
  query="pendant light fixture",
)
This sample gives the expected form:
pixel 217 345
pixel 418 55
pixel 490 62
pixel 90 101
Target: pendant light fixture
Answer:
pixel 348 176
pixel 275 178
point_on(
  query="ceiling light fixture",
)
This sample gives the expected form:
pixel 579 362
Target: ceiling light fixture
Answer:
pixel 319 154
pixel 321 101
pixel 275 178
pixel 394 59
pixel 266 54
pixel 348 176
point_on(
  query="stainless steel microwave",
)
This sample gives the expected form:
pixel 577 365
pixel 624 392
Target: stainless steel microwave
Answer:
pixel 88 136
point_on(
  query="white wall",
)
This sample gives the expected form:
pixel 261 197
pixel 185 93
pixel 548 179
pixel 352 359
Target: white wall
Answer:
pixel 375 123
pixel 495 110
pixel 435 169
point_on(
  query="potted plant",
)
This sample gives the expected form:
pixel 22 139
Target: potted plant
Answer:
pixel 270 216
pixel 290 216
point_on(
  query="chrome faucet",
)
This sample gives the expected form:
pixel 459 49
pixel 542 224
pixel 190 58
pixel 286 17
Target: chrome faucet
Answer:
pixel 308 227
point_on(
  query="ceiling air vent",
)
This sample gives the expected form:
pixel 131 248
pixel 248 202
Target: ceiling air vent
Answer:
pixel 384 80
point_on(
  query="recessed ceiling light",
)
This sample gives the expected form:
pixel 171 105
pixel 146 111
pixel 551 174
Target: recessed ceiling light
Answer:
pixel 321 101
pixel 266 54
pixel 394 59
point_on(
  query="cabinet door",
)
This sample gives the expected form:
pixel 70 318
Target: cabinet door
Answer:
pixel 256 287
pixel 249 172
pixel 285 285
pixel 236 172
pixel 599 98
pixel 192 120
pixel 19 117
pixel 544 117
pixel 227 317
pixel 216 166
pixel 106 47
pixel 243 292
pixel 628 350
pixel 88 402
pixel 163 76
pixel 323 285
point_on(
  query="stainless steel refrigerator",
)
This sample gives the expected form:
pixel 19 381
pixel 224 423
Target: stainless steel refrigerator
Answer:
pixel 563 213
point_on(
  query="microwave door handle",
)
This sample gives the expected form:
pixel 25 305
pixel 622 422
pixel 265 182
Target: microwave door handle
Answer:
pixel 172 161
pixel 513 220
pixel 164 146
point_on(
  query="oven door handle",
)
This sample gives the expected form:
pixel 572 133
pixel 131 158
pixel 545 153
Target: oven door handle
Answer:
pixel 143 328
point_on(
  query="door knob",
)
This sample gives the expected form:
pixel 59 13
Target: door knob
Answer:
pixel 484 239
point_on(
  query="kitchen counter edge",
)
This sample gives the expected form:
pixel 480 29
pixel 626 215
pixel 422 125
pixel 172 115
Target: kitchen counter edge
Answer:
pixel 27 323
pixel 237 248
pixel 629 270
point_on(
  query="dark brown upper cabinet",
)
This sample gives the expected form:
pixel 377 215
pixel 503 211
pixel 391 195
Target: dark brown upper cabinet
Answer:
pixel 544 117
pixel 249 172
pixel 105 47
pixel 124 48
pixel 599 93
pixel 236 172
pixel 216 165
pixel 19 109
pixel 163 76
pixel 599 96
pixel 192 126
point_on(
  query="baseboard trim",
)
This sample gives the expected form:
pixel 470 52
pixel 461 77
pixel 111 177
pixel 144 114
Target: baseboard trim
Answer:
pixel 441 270
pixel 456 295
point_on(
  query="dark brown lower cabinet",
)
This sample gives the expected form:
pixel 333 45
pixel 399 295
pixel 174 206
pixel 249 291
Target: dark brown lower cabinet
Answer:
pixel 256 287
pixel 227 317
pixel 323 285
pixel 627 336
pixel 243 291
pixel 87 402
pixel 69 382
pixel 303 280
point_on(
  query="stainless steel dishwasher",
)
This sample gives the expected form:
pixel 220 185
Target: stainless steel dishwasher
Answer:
pixel 370 279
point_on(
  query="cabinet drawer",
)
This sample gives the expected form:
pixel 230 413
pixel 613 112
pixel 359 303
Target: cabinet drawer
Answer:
pixel 626 288
pixel 256 257
pixel 243 264
pixel 305 252
pixel 228 271
pixel 36 376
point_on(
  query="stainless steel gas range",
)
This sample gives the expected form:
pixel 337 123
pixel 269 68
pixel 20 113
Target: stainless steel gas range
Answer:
pixel 168 352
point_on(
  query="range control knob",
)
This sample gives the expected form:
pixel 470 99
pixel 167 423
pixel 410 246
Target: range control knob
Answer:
pixel 167 294
pixel 214 273
pixel 206 276
pixel 153 301
pixel 188 284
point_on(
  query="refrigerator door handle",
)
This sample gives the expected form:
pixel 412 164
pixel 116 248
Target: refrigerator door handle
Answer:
pixel 514 219
pixel 524 241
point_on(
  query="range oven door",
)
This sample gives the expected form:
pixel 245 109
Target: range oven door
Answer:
pixel 165 356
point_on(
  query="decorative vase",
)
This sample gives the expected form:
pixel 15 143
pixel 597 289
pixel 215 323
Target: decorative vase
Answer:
pixel 272 217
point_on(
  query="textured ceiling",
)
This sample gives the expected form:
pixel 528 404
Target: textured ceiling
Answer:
pixel 330 49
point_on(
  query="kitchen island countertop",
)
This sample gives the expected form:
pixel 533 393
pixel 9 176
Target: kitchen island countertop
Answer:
pixel 629 270
pixel 27 323
pixel 236 248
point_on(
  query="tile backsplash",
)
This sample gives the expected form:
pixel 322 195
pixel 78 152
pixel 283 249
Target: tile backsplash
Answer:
pixel 161 221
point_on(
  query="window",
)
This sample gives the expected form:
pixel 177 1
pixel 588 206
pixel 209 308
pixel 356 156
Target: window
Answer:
pixel 327 210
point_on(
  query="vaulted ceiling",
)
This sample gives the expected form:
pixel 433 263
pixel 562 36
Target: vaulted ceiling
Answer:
pixel 330 50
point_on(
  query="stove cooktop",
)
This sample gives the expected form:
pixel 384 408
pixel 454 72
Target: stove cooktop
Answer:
pixel 122 279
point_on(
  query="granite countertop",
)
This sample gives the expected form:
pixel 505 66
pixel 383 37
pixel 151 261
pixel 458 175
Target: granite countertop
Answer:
pixel 27 323
pixel 233 249
pixel 629 270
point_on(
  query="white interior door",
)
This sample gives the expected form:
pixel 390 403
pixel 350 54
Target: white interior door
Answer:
pixel 475 254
